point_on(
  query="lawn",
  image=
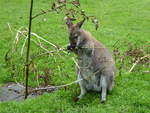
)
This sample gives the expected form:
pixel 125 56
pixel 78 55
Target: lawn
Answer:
pixel 123 20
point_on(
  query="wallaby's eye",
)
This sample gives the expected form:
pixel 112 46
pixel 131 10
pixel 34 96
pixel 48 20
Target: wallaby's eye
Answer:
pixel 75 37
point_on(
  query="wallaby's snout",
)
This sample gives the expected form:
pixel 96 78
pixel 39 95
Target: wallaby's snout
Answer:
pixel 73 38
pixel 74 34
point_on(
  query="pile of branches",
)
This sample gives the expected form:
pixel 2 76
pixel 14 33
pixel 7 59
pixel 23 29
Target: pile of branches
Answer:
pixel 132 58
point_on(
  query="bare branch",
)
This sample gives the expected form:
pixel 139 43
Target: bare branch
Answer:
pixel 42 13
pixel 55 87
pixel 50 52
pixel 137 61
pixel 34 34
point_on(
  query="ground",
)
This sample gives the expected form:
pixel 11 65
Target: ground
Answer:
pixel 122 20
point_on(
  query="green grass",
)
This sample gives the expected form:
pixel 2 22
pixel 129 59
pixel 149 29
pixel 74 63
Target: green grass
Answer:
pixel 123 20
pixel 130 95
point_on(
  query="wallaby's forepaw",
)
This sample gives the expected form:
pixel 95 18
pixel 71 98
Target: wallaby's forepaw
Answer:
pixel 68 47
pixel 71 47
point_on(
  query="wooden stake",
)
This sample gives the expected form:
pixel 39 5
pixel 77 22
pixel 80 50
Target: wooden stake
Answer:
pixel 28 51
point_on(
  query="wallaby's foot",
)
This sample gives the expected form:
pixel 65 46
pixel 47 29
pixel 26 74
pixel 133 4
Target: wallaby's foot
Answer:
pixel 78 97
pixel 83 92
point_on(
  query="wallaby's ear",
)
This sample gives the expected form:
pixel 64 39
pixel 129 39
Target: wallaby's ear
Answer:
pixel 80 23
pixel 68 21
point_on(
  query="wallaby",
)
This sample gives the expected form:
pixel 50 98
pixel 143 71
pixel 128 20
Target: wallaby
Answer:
pixel 95 67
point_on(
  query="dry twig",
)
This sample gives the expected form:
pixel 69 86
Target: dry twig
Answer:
pixel 34 34
pixel 42 13
pixel 137 61
pixel 55 87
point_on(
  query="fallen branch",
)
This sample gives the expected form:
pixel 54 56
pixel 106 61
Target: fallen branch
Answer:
pixel 146 71
pixel 69 83
pixel 137 61
pixel 52 88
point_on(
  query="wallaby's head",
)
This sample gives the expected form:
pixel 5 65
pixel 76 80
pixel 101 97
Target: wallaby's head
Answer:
pixel 75 33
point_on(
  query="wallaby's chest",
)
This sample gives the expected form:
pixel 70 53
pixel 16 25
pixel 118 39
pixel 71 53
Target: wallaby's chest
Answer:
pixel 86 67
pixel 84 60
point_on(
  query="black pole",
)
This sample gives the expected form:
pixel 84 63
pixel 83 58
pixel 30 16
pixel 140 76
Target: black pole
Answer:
pixel 28 51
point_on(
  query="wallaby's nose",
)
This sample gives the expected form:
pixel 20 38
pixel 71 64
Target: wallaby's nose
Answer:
pixel 70 47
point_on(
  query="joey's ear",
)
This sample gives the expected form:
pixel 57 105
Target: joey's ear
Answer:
pixel 80 23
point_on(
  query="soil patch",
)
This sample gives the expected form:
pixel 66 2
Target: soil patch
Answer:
pixel 13 91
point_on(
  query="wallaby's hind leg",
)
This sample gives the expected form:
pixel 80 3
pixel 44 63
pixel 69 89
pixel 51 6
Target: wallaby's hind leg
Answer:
pixel 110 88
pixel 82 88
pixel 83 91
pixel 110 82
pixel 104 89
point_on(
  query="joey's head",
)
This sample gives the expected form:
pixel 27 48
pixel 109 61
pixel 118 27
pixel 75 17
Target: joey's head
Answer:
pixel 75 34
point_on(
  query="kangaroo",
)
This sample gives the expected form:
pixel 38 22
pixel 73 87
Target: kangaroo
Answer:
pixel 96 67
